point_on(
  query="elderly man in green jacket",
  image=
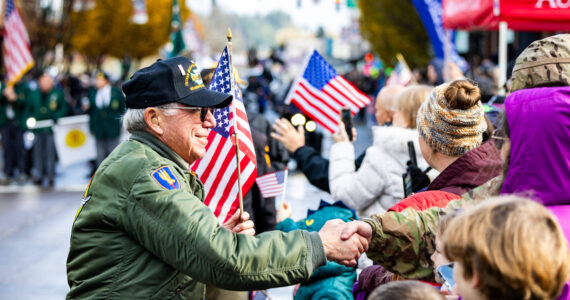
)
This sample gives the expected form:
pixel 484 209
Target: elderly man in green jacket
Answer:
pixel 143 231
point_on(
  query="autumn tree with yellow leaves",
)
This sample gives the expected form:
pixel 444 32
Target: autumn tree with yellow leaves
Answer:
pixel 393 26
pixel 106 29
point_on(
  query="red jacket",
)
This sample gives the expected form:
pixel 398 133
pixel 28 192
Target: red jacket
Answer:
pixel 469 171
pixel 425 200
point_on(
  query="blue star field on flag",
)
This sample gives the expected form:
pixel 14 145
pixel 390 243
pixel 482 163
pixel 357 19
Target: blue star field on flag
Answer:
pixel 318 71
pixel 221 82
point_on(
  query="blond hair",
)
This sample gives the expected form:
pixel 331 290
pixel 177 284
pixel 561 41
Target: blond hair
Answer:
pixel 515 245
pixel 409 100
pixel 406 290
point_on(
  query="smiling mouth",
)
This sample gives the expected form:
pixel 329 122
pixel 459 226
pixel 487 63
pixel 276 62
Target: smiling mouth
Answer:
pixel 203 138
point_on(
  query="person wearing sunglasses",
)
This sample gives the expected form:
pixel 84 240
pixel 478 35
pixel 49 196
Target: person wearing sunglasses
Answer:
pixel 143 231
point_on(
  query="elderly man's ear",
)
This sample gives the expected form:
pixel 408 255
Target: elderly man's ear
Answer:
pixel 152 118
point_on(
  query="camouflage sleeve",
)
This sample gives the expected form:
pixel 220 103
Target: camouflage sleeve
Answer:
pixel 403 242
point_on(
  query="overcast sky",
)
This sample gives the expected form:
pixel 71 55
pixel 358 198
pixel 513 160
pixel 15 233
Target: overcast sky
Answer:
pixel 309 15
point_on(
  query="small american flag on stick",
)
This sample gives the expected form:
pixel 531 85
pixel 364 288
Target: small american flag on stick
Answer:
pixel 272 184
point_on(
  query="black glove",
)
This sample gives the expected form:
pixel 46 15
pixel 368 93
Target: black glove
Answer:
pixel 419 178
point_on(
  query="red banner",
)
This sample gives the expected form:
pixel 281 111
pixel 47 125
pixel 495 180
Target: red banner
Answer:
pixel 469 15
pixel 522 15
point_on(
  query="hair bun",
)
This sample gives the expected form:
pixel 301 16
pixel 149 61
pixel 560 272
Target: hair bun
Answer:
pixel 462 94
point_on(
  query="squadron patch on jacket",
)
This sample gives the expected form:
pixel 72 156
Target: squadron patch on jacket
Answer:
pixel 165 178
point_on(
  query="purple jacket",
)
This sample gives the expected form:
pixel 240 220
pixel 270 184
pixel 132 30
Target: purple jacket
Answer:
pixel 539 125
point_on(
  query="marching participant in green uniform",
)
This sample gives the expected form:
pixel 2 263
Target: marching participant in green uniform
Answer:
pixel 106 106
pixel 45 103
pixel 12 125
pixel 143 231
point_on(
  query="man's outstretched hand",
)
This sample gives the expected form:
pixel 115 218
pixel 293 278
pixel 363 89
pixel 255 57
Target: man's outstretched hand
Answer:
pixel 344 251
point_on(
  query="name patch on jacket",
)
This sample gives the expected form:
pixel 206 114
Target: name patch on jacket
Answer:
pixel 165 178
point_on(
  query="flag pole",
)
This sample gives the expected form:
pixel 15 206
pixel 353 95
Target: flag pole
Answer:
pixel 284 185
pixel 299 75
pixel 402 60
pixel 240 194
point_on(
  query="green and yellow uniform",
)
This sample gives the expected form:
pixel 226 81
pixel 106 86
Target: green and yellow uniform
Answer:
pixel 105 122
pixel 50 106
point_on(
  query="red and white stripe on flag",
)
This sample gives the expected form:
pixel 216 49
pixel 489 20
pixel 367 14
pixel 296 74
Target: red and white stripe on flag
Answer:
pixel 16 47
pixel 218 168
pixel 321 93
pixel 271 184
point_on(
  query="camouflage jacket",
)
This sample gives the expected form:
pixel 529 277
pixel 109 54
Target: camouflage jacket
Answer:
pixel 403 242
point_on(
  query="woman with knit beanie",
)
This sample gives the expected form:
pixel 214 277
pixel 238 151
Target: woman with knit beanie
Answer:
pixel 453 138
pixel 377 184
pixel 536 162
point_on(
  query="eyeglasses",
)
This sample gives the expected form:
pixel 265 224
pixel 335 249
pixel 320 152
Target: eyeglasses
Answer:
pixel 499 137
pixel 203 111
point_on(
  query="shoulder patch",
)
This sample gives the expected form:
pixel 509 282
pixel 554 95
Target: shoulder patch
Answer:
pixel 165 178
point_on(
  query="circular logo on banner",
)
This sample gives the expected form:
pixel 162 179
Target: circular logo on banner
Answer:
pixel 75 138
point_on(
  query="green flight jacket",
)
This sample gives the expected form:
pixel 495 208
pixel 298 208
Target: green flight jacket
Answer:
pixel 19 106
pixel 144 233
pixel 403 242
pixel 105 123
pixel 53 108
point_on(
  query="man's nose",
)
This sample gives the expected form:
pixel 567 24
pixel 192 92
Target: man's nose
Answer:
pixel 210 121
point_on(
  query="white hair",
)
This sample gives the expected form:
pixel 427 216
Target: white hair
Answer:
pixel 133 119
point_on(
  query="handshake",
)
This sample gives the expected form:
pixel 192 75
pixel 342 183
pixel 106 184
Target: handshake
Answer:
pixel 345 242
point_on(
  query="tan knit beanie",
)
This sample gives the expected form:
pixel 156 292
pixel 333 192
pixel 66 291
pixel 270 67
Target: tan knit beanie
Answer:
pixel 452 120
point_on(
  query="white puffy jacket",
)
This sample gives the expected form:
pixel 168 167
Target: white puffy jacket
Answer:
pixel 377 185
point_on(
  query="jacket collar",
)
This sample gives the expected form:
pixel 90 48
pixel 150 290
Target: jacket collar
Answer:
pixel 471 170
pixel 163 150
pixel 539 125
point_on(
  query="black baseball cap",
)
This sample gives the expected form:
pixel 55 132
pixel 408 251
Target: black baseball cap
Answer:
pixel 175 79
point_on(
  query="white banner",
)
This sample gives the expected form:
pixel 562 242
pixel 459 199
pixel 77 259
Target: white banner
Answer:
pixel 73 141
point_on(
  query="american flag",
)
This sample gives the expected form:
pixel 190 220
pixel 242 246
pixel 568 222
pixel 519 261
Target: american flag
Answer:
pixel 401 75
pixel 16 48
pixel 218 168
pixel 321 93
pixel 272 184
